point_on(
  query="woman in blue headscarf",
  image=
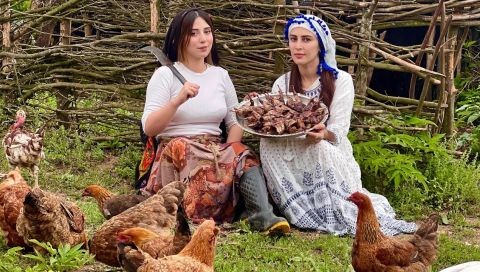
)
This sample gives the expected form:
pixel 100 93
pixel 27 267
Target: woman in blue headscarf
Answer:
pixel 310 177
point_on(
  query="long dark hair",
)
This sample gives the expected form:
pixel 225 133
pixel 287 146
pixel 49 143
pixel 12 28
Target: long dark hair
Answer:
pixel 327 81
pixel 178 35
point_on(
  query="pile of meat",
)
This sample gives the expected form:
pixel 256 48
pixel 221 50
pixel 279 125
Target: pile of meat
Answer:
pixel 281 114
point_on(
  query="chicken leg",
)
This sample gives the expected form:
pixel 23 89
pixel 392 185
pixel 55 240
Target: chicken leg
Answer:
pixel 35 169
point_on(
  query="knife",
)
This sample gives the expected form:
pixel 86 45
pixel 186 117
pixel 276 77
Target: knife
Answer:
pixel 165 61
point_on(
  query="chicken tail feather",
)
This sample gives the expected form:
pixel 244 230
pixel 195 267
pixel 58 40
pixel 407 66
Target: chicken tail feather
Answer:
pixel 172 195
pixel 129 257
pixel 182 231
pixel 426 240
pixel 182 222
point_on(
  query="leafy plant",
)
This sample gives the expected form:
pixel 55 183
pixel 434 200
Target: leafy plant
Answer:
pixel 9 260
pixel 415 171
pixel 127 162
pixel 62 259
pixel 455 183
pixel 397 158
pixel 468 111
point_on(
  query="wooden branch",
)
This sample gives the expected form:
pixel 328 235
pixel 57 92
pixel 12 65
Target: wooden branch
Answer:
pixel 107 66
pixel 46 17
pixel 439 44
pixel 408 66
pixel 6 42
pixel 401 100
pixel 413 80
pixel 98 87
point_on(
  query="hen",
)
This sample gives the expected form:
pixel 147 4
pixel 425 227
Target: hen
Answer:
pixel 50 218
pixel 373 251
pixel 197 256
pixel 110 204
pixel 158 245
pixel 24 148
pixel 13 190
pixel 157 213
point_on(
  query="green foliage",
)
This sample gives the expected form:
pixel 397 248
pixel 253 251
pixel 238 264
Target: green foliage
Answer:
pixel 395 158
pixel 469 140
pixel 9 260
pixel 93 217
pixel 469 78
pixel 63 147
pixel 468 109
pixel 21 5
pixel 63 259
pixel 454 184
pixel 468 120
pixel 127 162
pixel 416 171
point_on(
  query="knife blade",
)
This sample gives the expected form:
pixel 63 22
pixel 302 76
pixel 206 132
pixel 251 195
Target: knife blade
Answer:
pixel 165 61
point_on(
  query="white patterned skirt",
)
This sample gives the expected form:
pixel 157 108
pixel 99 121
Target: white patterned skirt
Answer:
pixel 309 183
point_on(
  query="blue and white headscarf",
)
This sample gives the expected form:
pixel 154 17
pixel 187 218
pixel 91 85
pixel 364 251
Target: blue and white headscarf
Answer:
pixel 324 37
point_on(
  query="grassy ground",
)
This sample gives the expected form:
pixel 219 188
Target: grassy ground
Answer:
pixel 71 165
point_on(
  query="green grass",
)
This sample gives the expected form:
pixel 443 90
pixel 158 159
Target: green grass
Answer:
pixel 296 252
pixel 72 164
pixel 454 251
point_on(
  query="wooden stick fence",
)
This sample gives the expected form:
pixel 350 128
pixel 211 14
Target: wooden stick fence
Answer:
pixel 83 54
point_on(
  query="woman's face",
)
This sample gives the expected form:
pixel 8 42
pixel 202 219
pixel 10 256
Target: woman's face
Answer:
pixel 304 47
pixel 201 40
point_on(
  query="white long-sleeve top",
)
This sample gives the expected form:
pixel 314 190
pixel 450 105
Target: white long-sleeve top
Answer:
pixel 199 115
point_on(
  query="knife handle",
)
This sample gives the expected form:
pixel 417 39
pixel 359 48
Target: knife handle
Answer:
pixel 177 74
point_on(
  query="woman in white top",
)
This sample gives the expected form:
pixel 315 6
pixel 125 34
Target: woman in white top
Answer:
pixel 310 177
pixel 185 120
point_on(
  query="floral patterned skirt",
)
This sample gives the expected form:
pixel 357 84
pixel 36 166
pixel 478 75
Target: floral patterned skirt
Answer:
pixel 210 170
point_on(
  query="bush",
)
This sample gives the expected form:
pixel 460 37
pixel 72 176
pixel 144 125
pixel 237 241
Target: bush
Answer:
pixel 62 259
pixel 417 172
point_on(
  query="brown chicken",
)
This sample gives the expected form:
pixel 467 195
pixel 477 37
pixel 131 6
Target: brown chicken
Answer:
pixel 197 256
pixel 24 148
pixel 158 245
pixel 157 213
pixel 375 252
pixel 13 190
pixel 110 204
pixel 50 218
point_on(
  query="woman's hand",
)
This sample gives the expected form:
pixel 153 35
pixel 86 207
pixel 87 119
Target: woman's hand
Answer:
pixel 188 91
pixel 319 133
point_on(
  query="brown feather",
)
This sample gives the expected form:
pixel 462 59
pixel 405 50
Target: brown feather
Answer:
pixel 44 217
pixel 157 213
pixel 109 203
pixel 13 190
pixel 197 256
pixel 373 251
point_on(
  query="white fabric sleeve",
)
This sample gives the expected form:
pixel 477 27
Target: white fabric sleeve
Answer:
pixel 158 91
pixel 341 106
pixel 231 100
